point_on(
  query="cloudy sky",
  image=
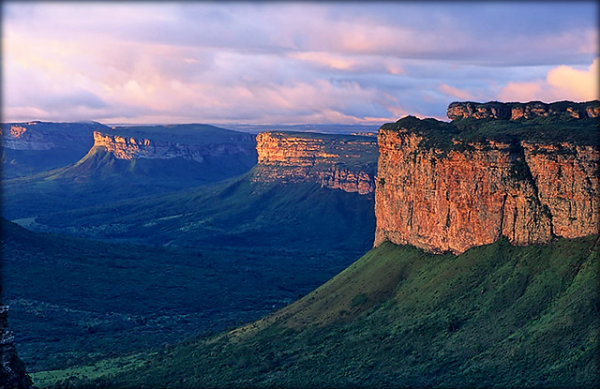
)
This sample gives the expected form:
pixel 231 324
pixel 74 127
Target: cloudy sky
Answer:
pixel 289 63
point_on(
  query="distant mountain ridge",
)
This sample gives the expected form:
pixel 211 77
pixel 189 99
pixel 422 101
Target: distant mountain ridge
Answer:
pixel 131 162
pixel 516 111
pixel 33 147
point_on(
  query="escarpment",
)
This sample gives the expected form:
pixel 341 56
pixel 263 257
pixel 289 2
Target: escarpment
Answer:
pixel 127 146
pixel 446 187
pixel 343 162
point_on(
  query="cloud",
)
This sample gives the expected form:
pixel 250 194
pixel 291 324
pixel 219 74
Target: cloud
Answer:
pixel 286 62
pixel 561 83
pixel 455 92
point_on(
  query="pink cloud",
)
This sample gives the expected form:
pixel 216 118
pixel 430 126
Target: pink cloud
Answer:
pixel 455 92
pixel 561 83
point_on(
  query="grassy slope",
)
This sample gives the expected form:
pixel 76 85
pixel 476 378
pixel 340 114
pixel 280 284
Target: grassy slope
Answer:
pixel 496 315
pixel 74 301
pixel 236 213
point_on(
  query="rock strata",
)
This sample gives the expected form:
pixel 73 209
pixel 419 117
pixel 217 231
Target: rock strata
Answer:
pixel 473 193
pixel 343 162
pixel 129 147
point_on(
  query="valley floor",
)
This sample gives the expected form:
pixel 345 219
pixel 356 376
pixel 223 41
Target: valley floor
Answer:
pixel 495 316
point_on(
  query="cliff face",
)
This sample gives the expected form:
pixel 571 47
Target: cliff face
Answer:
pixel 154 146
pixel 334 161
pixel 12 369
pixel 448 199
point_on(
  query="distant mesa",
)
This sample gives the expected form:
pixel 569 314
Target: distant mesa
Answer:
pixel 187 142
pixel 48 135
pixel 364 133
pixel 345 162
pixel 516 111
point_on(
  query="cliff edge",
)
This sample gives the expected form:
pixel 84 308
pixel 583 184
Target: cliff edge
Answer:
pixel 446 187
pixel 345 162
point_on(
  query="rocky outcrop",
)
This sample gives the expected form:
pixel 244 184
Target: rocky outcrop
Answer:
pixel 449 198
pixel 515 111
pixel 12 369
pixel 343 162
pixel 153 145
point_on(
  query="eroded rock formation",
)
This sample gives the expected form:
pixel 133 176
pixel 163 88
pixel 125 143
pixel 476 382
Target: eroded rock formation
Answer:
pixel 343 162
pixel 197 148
pixel 515 111
pixel 449 198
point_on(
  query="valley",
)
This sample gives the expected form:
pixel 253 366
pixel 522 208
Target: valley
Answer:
pixel 194 256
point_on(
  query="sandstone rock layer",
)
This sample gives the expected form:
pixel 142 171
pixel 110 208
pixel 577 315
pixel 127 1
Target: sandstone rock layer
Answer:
pixel 450 200
pixel 129 147
pixel 334 161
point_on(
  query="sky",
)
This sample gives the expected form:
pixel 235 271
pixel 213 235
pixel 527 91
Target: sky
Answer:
pixel 289 63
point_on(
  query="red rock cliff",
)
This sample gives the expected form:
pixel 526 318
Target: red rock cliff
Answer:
pixel 334 161
pixel 448 199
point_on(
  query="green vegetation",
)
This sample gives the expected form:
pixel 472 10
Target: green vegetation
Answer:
pixel 100 178
pixel 235 213
pixel 552 129
pixel 75 301
pixel 495 316
pixel 18 163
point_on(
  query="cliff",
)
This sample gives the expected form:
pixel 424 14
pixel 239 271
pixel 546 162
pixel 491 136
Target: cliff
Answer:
pixel 12 369
pixel 194 142
pixel 343 162
pixel 446 187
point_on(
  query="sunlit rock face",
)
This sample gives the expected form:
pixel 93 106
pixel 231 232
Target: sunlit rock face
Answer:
pixel 345 162
pixel 515 111
pixel 474 193
pixel 197 149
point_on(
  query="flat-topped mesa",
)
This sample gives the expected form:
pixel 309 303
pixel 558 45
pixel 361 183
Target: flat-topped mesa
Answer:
pixel 445 188
pixel 131 144
pixel 516 111
pixel 343 162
